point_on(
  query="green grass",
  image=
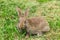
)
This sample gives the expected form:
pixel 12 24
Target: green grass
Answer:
pixel 9 18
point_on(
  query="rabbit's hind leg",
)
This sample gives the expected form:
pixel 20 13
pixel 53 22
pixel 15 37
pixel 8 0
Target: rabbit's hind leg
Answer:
pixel 46 29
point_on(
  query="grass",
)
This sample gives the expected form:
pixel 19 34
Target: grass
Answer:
pixel 9 18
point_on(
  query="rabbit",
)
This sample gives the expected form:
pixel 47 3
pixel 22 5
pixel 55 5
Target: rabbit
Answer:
pixel 34 25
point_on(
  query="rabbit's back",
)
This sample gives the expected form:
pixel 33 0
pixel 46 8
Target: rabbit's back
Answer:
pixel 37 24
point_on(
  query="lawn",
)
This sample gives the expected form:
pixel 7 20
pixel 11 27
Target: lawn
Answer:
pixel 50 9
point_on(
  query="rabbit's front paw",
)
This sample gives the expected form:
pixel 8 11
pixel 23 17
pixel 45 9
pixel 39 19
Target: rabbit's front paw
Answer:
pixel 27 35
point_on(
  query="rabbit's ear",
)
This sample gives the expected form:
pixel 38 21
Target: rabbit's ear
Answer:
pixel 26 12
pixel 19 11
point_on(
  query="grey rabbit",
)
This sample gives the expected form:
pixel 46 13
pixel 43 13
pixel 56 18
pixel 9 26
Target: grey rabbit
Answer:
pixel 33 25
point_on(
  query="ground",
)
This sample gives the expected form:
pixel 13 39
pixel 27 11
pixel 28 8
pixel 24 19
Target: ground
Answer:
pixel 9 18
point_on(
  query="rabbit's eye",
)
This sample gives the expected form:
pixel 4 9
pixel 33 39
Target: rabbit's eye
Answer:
pixel 25 23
